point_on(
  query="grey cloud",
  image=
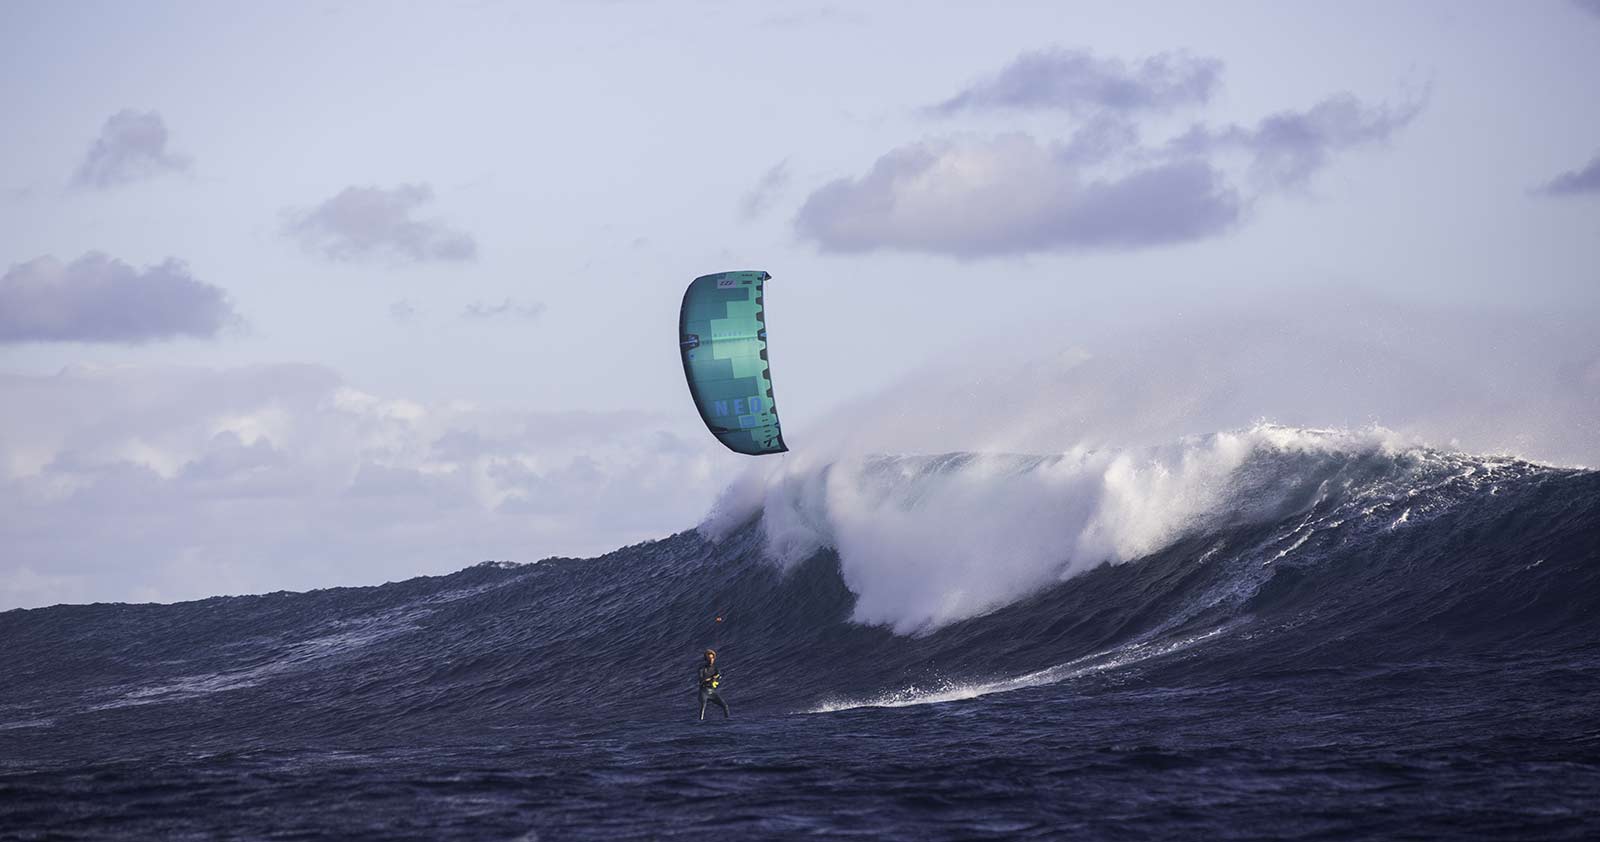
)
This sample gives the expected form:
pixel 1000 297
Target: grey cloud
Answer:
pixel 1288 148
pixel 368 222
pixel 460 446
pixel 227 456
pixel 399 484
pixel 1579 182
pixel 1100 188
pixel 403 310
pixel 1101 138
pixel 506 308
pixel 229 468
pixel 558 490
pixel 99 299
pixel 132 145
pixel 1013 195
pixel 1077 81
pixel 1590 6
pixel 766 192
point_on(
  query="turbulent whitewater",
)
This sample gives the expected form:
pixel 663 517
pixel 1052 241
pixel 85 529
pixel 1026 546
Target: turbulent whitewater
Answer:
pixel 1338 632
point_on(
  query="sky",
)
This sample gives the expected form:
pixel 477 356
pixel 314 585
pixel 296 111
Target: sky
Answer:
pixel 312 294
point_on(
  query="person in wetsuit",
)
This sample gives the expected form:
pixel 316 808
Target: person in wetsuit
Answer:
pixel 709 678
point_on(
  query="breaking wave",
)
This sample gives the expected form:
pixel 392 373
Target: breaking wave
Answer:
pixel 874 581
pixel 925 541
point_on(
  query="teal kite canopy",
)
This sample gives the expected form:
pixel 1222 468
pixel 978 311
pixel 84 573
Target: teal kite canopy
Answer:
pixel 722 333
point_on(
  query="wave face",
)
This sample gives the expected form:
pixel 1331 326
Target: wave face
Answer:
pixel 1252 559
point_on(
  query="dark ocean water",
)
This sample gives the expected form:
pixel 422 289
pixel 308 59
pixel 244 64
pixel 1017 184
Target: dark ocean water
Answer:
pixel 1416 656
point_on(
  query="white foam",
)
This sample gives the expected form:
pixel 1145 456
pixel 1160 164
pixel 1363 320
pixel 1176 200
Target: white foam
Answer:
pixel 27 723
pixel 926 541
pixel 1076 668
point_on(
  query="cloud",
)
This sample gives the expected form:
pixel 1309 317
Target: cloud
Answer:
pixel 1078 82
pixel 371 222
pixel 132 146
pixel 766 192
pixel 1590 6
pixel 506 309
pixel 174 483
pixel 1289 147
pixel 100 299
pixel 1579 182
pixel 1102 138
pixel 978 198
pixel 403 310
pixel 1100 188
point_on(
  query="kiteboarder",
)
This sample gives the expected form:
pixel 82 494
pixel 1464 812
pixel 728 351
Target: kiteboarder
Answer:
pixel 710 677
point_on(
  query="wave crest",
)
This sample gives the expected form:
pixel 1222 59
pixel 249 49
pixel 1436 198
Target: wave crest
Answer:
pixel 924 541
